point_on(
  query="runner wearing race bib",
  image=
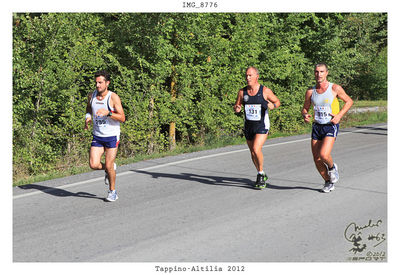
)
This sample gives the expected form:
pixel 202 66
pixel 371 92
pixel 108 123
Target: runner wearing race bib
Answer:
pixel 327 115
pixel 325 105
pixel 257 99
pixel 105 110
pixel 104 126
pixel 256 113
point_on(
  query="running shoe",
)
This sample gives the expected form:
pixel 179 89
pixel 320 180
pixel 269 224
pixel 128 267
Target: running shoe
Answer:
pixel 261 181
pixel 106 178
pixel 328 187
pixel 334 174
pixel 112 195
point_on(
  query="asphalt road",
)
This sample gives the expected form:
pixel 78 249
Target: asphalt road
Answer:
pixel 200 207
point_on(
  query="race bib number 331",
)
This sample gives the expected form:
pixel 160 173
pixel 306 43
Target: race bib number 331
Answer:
pixel 253 112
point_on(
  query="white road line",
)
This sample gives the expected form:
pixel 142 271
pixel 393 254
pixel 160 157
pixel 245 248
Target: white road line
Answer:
pixel 168 164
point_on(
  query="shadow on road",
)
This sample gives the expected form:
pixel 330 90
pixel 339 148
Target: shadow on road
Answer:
pixel 372 132
pixel 273 186
pixel 212 180
pixel 58 192
pixel 221 181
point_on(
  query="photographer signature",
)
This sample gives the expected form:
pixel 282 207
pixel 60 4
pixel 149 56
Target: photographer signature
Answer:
pixel 355 234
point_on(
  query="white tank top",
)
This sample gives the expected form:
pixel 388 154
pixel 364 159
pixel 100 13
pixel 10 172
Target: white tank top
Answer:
pixel 103 126
pixel 324 105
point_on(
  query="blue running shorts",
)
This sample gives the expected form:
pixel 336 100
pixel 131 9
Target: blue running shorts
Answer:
pixel 107 142
pixel 319 131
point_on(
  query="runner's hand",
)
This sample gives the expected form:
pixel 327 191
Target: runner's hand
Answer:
pixel 102 112
pixel 270 105
pixel 237 108
pixel 87 121
pixel 335 118
pixel 307 118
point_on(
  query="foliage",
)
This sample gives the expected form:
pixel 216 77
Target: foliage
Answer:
pixel 176 73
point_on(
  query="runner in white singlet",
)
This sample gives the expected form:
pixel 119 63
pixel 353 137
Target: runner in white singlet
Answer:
pixel 326 123
pixel 105 110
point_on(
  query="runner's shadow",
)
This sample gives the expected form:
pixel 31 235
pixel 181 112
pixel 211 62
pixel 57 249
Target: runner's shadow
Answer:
pixel 211 180
pixel 273 186
pixel 222 181
pixel 372 132
pixel 58 192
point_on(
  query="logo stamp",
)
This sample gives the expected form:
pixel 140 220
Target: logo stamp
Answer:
pixel 367 241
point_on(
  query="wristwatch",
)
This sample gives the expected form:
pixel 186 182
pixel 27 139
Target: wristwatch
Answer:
pixel 109 114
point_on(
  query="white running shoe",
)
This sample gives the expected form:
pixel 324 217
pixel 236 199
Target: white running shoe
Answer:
pixel 328 187
pixel 334 173
pixel 106 179
pixel 112 195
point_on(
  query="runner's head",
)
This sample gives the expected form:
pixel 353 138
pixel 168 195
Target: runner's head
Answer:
pixel 102 79
pixel 321 65
pixel 252 75
pixel 321 72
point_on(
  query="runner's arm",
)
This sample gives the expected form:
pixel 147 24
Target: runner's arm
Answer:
pixel 348 102
pixel 118 113
pixel 239 101
pixel 88 105
pixel 273 100
pixel 88 119
pixel 306 106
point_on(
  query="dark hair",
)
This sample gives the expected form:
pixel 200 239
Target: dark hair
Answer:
pixel 320 65
pixel 104 74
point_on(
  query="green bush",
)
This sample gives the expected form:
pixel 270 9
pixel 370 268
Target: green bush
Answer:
pixel 176 73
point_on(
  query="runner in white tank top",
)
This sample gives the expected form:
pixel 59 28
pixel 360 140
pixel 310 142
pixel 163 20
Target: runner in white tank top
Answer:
pixel 325 105
pixel 326 123
pixel 104 126
pixel 106 110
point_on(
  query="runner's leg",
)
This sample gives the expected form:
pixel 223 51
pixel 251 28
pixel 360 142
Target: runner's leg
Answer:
pixel 111 154
pixel 95 158
pixel 326 149
pixel 321 150
pixel 255 147
pixel 253 157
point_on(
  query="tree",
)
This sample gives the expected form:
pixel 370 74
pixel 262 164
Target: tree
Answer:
pixel 177 74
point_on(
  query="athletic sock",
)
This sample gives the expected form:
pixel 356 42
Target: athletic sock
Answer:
pixel 261 172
